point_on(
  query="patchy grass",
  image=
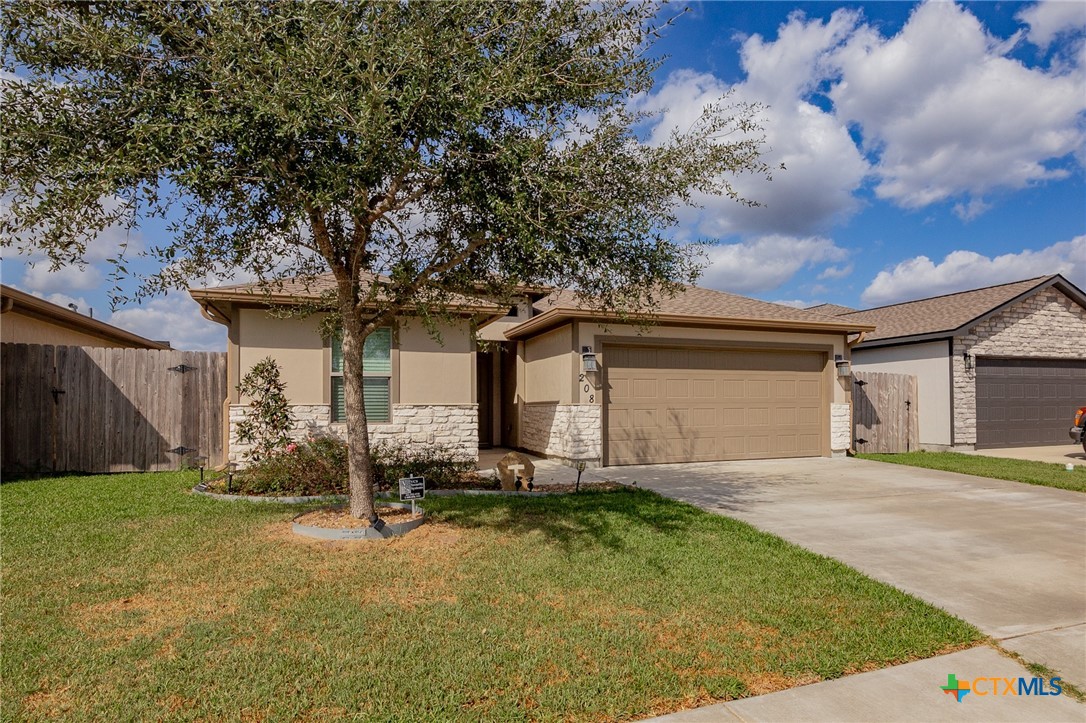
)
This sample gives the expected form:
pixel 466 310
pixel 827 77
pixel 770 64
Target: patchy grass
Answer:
pixel 1015 470
pixel 125 597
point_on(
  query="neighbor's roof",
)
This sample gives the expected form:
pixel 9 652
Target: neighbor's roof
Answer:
pixel 694 306
pixel 14 300
pixel 831 309
pixel 297 290
pixel 950 314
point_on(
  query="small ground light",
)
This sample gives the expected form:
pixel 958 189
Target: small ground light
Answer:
pixel 581 464
pixel 230 476
pixel 1070 467
pixel 202 462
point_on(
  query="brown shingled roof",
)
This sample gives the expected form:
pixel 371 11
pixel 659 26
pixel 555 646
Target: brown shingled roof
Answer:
pixel 831 309
pixel 293 290
pixel 944 314
pixel 696 306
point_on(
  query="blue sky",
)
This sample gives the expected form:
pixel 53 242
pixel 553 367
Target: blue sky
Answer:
pixel 929 148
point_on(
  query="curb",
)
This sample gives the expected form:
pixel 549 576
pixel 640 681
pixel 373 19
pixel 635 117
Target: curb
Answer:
pixel 200 490
pixel 391 529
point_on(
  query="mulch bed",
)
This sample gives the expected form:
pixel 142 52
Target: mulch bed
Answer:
pixel 340 518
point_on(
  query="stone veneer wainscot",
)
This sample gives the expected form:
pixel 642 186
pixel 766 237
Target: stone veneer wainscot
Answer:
pixel 1047 325
pixel 454 427
pixel 840 428
pixel 569 432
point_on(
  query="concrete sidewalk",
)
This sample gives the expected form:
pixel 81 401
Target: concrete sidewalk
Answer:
pixel 910 692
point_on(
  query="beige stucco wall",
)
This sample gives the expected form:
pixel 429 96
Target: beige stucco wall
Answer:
pixel 548 367
pixel 295 346
pixel 930 364
pixel 436 373
pixel 425 371
pixel 495 330
pixel 14 327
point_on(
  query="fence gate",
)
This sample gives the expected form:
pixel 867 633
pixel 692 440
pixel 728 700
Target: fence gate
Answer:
pixel 885 417
pixel 90 409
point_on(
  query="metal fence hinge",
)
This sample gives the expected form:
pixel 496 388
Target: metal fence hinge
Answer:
pixel 181 450
pixel 860 383
pixel 182 368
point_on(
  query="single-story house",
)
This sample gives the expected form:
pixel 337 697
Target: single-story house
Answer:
pixel 1001 366
pixel 26 319
pixel 718 377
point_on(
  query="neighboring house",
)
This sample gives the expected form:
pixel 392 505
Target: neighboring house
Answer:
pixel 1002 366
pixel 718 377
pixel 27 319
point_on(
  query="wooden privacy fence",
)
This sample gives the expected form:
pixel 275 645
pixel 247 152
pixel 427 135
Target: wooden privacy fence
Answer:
pixel 884 412
pixel 90 409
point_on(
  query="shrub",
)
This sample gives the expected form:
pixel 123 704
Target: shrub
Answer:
pixel 394 460
pixel 319 467
pixel 268 424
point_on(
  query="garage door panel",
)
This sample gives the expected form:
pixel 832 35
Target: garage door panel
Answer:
pixel 677 388
pixel 756 389
pixel 742 405
pixel 677 419
pixel 808 416
pixel 1026 402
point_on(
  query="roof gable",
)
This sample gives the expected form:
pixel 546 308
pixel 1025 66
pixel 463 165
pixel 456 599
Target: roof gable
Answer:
pixel 950 314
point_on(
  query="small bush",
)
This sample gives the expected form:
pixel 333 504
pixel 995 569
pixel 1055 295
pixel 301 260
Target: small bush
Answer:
pixel 393 461
pixel 269 421
pixel 319 467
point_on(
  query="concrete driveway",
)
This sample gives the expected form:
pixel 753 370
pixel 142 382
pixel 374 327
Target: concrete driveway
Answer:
pixel 1008 557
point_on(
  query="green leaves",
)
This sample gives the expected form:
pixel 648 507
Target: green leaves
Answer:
pixel 437 143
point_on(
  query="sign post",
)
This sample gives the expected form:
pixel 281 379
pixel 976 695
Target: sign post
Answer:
pixel 411 489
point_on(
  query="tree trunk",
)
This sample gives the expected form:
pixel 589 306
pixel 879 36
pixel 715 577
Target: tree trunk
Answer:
pixel 359 460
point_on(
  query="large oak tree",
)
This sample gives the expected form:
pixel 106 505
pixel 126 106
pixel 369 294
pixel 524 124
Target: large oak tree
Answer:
pixel 416 151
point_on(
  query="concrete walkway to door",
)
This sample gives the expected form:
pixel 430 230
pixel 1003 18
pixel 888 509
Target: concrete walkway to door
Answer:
pixel 1008 557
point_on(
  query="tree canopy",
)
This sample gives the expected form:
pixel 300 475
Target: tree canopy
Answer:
pixel 439 148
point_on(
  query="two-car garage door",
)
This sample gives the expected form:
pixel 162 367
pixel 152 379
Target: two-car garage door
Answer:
pixel 667 404
pixel 1027 402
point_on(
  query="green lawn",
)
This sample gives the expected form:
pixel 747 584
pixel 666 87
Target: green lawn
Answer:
pixel 1015 470
pixel 125 597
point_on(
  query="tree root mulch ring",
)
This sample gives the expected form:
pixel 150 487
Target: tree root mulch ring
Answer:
pixel 340 518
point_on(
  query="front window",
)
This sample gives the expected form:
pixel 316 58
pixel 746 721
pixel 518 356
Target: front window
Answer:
pixel 376 377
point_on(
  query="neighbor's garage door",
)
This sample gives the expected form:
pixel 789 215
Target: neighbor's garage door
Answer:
pixel 700 405
pixel 1027 402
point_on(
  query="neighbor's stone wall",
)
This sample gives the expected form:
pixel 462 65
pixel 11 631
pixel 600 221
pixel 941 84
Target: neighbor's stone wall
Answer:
pixel 568 432
pixel 840 428
pixel 1046 325
pixel 452 426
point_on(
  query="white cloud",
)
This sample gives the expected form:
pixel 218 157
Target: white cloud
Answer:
pixel 64 300
pixel 175 318
pixel 40 279
pixel 1048 20
pixel 766 262
pixel 971 210
pixel 795 303
pixel 920 277
pixel 946 112
pixel 835 272
pixel 823 165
